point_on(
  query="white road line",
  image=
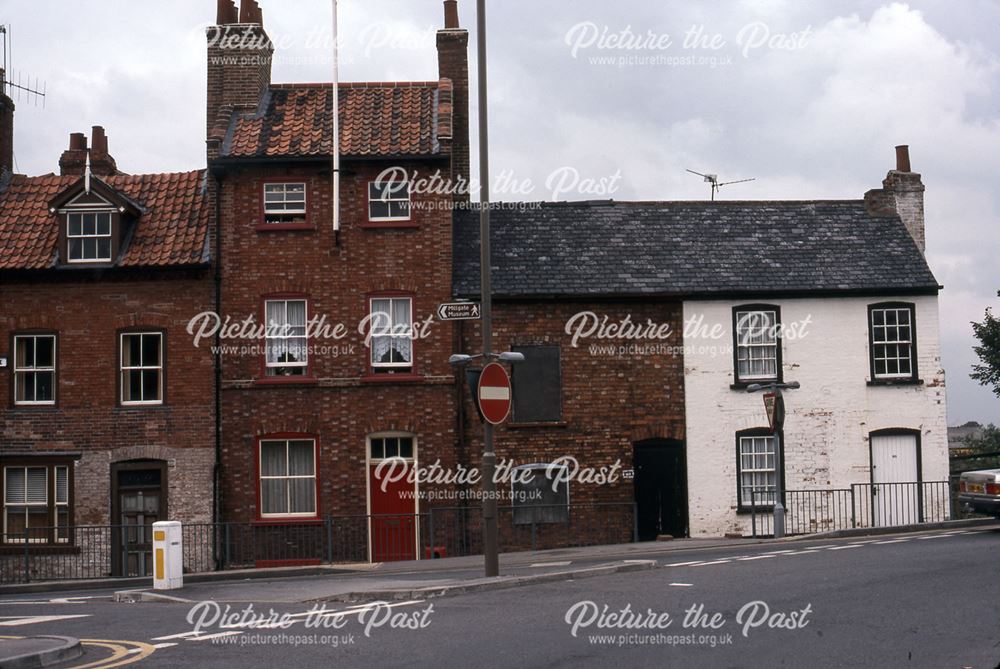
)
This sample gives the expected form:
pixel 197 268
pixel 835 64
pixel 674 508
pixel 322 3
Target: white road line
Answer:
pixel 756 557
pixel 166 644
pixel 705 564
pixel 683 564
pixel 550 564
pixel 14 621
pixel 682 585
pixel 891 541
pixel 866 541
pixel 182 635
pixel 840 548
pixel 932 536
pixel 818 548
pixel 777 552
pixel 808 550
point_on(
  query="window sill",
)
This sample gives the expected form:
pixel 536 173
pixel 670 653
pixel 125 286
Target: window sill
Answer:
pixel 742 385
pixel 34 407
pixel 286 381
pixel 141 407
pixel 285 227
pixel 39 549
pixel 896 382
pixel 407 377
pixel 291 520
pixel 389 225
pixel 536 424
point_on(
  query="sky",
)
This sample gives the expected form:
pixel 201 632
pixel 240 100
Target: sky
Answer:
pixel 594 99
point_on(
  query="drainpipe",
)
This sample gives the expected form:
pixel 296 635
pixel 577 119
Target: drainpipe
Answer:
pixel 336 130
pixel 217 466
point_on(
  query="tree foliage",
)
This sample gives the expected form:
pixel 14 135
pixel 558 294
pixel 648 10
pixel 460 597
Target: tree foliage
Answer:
pixel 987 332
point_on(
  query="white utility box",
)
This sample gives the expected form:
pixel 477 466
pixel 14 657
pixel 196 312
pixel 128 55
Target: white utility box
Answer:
pixel 168 555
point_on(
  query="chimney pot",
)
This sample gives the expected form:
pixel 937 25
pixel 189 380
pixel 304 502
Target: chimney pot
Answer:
pixel 77 142
pixel 451 15
pixel 99 140
pixel 903 158
pixel 250 12
pixel 226 12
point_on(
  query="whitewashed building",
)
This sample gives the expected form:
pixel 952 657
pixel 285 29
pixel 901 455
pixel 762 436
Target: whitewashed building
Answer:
pixel 838 297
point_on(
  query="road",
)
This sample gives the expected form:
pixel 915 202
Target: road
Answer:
pixel 925 600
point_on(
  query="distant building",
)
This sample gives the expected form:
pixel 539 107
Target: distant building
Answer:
pixel 957 435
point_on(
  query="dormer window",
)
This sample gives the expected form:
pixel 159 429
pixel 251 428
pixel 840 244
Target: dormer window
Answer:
pixel 88 237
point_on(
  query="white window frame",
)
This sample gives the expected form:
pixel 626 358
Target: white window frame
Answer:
pixel 398 436
pixel 390 331
pixel 122 369
pixel 34 369
pixel 270 336
pixel 283 185
pixel 752 441
pixel 287 477
pixel 909 311
pixel 745 340
pixel 389 187
pixel 82 236
pixel 56 504
pixel 11 539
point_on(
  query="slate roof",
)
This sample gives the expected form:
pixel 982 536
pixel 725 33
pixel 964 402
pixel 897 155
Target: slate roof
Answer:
pixel 690 249
pixel 172 230
pixel 380 119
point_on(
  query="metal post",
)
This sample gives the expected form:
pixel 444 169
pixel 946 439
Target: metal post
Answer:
pixel 490 552
pixel 27 558
pixel 779 508
pixel 430 522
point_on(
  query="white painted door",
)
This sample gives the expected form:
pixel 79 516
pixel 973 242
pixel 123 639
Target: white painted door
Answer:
pixel 895 493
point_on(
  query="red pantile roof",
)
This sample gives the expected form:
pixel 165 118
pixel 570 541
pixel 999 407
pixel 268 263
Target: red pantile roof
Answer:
pixel 171 231
pixel 376 119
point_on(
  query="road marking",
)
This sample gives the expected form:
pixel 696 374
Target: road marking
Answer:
pixel 683 564
pixel 817 548
pixel 808 550
pixel 840 548
pixel 932 536
pixel 13 621
pixel 120 654
pixel 550 564
pixel 182 635
pixel 866 541
pixel 777 552
pixel 756 557
pixel 891 541
pixel 165 644
pixel 705 564
pixel 682 585
pixel 217 635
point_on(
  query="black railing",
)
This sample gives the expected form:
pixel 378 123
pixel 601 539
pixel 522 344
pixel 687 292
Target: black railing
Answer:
pixel 103 551
pixel 861 505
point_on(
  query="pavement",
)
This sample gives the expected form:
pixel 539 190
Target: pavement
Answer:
pixel 417 581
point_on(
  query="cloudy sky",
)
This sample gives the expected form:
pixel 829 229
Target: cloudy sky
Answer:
pixel 806 97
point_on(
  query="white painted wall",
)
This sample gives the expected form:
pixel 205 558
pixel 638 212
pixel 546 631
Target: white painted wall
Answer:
pixel 828 419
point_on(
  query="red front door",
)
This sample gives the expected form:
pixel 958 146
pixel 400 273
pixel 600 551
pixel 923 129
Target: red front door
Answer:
pixel 393 524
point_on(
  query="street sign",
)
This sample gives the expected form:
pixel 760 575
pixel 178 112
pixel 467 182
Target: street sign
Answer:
pixel 774 406
pixel 494 393
pixel 459 311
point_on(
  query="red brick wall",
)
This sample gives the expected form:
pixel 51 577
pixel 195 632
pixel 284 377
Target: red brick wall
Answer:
pixel 340 406
pixel 87 317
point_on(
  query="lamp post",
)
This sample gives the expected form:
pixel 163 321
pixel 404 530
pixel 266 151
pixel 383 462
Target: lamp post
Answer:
pixel 777 421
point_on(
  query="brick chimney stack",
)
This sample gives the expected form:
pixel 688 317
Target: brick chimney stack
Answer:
pixel 240 54
pixel 453 63
pixel 6 129
pixel 74 160
pixel 902 194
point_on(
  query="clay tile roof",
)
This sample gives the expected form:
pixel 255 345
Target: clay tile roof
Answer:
pixel 376 119
pixel 171 231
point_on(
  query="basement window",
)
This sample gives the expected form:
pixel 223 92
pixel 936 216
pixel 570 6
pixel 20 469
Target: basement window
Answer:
pixel 284 203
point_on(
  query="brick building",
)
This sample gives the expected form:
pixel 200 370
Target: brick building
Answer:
pixel 107 414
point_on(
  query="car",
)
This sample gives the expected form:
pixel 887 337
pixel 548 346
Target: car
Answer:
pixel 980 491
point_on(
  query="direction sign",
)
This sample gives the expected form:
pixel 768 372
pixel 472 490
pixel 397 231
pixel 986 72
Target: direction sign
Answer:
pixel 459 311
pixel 774 405
pixel 494 393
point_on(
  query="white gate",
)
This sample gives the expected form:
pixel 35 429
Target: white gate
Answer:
pixel 895 493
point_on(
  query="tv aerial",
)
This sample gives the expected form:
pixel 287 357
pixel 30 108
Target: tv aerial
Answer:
pixel 23 87
pixel 716 184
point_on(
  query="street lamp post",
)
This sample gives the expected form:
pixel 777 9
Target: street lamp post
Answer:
pixel 779 419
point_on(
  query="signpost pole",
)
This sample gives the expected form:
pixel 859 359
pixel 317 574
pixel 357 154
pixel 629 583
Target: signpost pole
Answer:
pixel 490 529
pixel 779 508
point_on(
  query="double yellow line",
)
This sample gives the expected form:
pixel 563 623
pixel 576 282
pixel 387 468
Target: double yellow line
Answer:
pixel 122 652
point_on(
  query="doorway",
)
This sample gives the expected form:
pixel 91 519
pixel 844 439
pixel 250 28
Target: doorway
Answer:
pixel 138 499
pixel 896 488
pixel 393 525
pixel 661 488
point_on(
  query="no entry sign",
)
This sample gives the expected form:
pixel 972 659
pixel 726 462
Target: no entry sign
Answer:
pixel 494 393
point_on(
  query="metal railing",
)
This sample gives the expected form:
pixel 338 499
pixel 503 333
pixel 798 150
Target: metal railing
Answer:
pixel 861 505
pixel 103 551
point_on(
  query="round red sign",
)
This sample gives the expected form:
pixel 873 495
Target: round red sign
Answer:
pixel 494 393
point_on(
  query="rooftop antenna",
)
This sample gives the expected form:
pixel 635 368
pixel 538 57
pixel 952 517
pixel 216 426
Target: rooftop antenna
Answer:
pixel 23 87
pixel 716 184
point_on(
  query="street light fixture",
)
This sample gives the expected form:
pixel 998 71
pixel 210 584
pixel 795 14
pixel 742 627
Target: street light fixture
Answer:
pixel 779 508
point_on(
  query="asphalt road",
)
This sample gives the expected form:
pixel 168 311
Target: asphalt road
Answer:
pixel 928 600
